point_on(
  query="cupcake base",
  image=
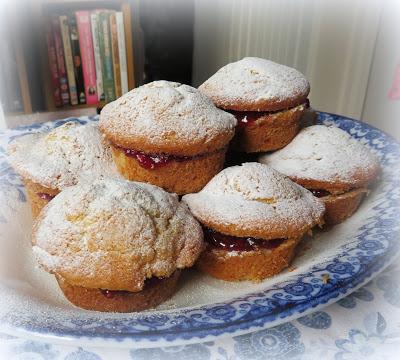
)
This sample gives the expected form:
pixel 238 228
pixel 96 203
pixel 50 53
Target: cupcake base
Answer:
pixel 247 265
pixel 180 177
pixel 340 207
pixel 38 196
pixel 270 132
pixel 152 295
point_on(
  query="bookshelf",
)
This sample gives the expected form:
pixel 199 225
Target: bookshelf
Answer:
pixel 40 12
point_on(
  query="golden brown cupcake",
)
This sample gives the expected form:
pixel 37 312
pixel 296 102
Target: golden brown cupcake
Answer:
pixel 253 217
pixel 116 245
pixel 50 162
pixel 167 134
pixel 268 100
pixel 331 164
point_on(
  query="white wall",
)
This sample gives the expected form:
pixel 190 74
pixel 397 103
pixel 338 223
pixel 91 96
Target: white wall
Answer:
pixel 382 110
pixel 331 42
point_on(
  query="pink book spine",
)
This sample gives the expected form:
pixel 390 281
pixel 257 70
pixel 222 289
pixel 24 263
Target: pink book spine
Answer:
pixel 87 56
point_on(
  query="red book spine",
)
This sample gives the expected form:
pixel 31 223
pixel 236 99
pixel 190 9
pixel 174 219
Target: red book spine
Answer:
pixel 51 53
pixel 62 72
pixel 87 55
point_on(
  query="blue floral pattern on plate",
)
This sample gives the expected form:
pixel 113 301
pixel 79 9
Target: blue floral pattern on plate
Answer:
pixel 374 247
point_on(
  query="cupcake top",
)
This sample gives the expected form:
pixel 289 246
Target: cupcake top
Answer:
pixel 255 200
pixel 254 84
pixel 167 117
pixel 62 157
pixel 325 157
pixel 113 234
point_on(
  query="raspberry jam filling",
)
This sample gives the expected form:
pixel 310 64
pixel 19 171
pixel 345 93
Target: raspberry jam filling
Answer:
pixel 320 192
pixel 153 161
pixel 109 294
pixel 45 196
pixel 233 243
pixel 246 118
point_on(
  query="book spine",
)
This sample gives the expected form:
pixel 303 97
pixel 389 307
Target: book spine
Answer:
pixel 122 52
pixel 115 55
pixel 76 55
pixel 69 64
pixel 52 56
pixel 62 73
pixel 105 51
pixel 87 54
pixel 94 19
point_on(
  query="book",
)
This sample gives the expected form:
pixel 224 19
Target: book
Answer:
pixel 105 53
pixel 94 19
pixel 62 72
pixel 69 63
pixel 52 56
pixel 115 55
pixel 122 52
pixel 76 55
pixel 87 55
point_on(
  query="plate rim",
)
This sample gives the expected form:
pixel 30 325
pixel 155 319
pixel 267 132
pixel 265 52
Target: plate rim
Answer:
pixel 220 329
pixel 144 344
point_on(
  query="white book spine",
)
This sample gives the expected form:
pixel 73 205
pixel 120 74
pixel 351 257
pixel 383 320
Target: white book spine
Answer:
pixel 97 58
pixel 69 62
pixel 122 51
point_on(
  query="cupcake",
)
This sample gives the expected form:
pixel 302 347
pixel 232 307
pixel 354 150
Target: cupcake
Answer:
pixel 116 245
pixel 253 218
pixel 167 134
pixel 267 99
pixel 50 162
pixel 331 164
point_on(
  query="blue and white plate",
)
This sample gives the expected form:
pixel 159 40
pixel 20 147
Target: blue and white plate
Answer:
pixel 328 267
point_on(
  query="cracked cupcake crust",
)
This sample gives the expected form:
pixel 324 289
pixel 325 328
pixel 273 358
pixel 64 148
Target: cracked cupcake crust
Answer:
pixel 64 156
pixel 255 84
pixel 325 157
pixel 113 234
pixel 255 200
pixel 167 117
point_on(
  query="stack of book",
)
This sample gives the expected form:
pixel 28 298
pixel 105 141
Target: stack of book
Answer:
pixel 87 57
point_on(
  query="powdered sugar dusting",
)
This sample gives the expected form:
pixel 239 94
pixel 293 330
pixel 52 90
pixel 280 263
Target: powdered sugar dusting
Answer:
pixel 114 234
pixel 166 112
pixel 254 195
pixel 323 153
pixel 64 156
pixel 252 79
